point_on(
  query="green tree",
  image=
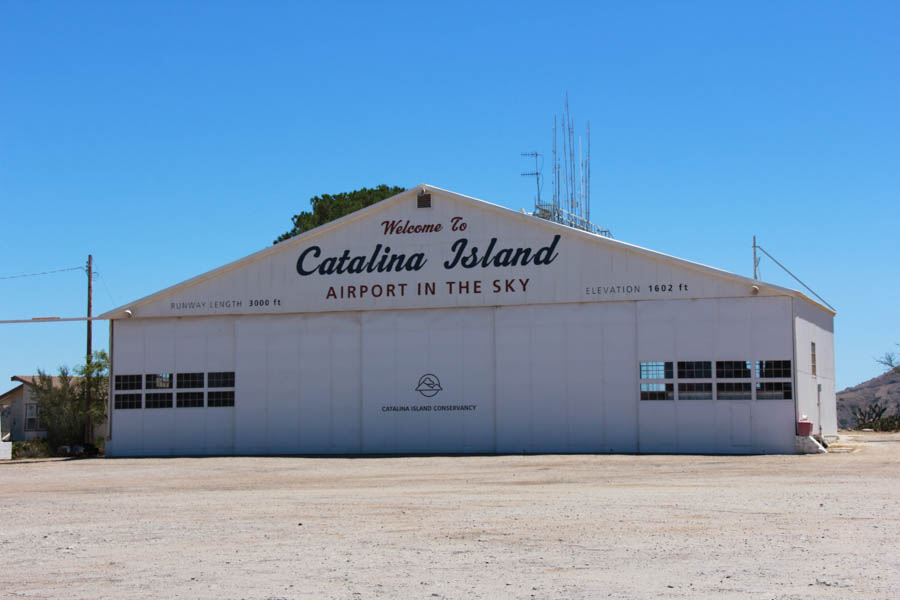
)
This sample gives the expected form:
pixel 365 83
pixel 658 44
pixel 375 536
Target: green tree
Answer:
pixel 328 207
pixel 95 374
pixel 62 402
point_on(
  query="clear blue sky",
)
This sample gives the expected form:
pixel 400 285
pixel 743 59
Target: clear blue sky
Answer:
pixel 170 138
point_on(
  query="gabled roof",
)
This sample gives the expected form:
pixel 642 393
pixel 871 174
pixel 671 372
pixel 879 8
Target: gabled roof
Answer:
pixel 303 238
pixel 5 398
pixel 31 380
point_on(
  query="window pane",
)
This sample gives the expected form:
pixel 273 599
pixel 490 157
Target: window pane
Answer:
pixel 774 369
pixel 189 399
pixel 31 420
pixel 695 369
pixel 657 391
pixel 127 401
pixel 161 381
pixel 734 391
pixel 695 391
pixel 773 390
pixel 733 369
pixel 128 382
pixel 190 380
pixel 222 379
pixel 813 357
pixel 158 400
pixel 656 370
pixel 220 399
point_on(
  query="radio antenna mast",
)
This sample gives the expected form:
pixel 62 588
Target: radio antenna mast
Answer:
pixel 555 171
pixel 587 177
pixel 570 206
pixel 536 173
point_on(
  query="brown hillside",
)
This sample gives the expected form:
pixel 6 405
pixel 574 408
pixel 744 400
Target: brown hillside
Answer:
pixel 884 388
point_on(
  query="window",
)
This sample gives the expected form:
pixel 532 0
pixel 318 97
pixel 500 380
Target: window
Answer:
pixel 657 391
pixel 223 379
pixel 733 390
pixel 161 381
pixel 813 357
pixel 128 382
pixel 190 380
pixel 33 418
pixel 733 369
pixel 773 369
pixel 189 399
pixel 656 370
pixel 695 391
pixel 126 401
pixel 694 370
pixel 773 390
pixel 423 200
pixel 220 399
pixel 158 400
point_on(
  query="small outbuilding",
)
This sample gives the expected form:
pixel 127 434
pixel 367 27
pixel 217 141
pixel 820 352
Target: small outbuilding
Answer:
pixel 433 322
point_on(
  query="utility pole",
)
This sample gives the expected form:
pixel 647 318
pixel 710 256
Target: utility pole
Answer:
pixel 89 429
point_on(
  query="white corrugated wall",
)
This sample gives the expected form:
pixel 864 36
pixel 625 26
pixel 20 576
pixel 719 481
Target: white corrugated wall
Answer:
pixel 545 378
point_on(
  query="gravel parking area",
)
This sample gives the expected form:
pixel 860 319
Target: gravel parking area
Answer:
pixel 821 526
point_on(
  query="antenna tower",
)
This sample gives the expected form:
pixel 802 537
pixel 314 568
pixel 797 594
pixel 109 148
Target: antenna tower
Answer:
pixel 571 203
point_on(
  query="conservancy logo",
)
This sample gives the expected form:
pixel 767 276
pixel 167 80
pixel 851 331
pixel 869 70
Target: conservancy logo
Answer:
pixel 429 385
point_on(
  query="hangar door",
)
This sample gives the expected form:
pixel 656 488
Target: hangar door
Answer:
pixel 509 379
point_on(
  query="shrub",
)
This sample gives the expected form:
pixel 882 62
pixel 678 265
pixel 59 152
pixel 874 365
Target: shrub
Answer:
pixel 872 416
pixel 35 448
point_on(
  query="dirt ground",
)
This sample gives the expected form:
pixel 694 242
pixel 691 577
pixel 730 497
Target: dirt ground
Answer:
pixel 825 526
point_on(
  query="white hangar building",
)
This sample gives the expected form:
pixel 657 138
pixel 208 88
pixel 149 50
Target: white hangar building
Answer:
pixel 433 322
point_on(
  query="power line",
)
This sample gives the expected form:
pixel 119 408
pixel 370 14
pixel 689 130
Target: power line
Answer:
pixel 786 270
pixel 43 273
pixel 105 287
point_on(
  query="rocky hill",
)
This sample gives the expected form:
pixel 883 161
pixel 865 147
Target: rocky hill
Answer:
pixel 884 388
